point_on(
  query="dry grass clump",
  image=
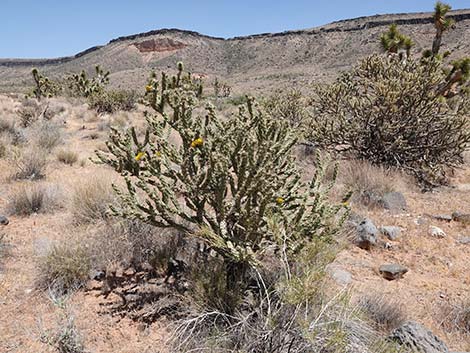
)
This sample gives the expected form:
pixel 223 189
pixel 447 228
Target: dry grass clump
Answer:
pixel 64 268
pixel 386 313
pixel 67 157
pixel 30 164
pixel 455 316
pixel 91 200
pixel 133 243
pixel 29 112
pixel 46 134
pixel 65 338
pixel 33 198
pixel 368 182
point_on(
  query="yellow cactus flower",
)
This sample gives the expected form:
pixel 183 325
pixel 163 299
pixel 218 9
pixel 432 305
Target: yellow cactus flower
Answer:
pixel 279 200
pixel 197 142
pixel 149 88
pixel 139 156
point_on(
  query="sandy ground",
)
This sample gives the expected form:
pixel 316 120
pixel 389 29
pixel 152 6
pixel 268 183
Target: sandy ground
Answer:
pixel 438 268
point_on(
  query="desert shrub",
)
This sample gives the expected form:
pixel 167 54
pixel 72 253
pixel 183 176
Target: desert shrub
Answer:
pixel 231 174
pixel 393 112
pixel 30 164
pixel 46 134
pixel 386 313
pixel 113 101
pixel 29 112
pixel 67 157
pixel 7 126
pixel 33 198
pixel 221 89
pixel 65 267
pixel 91 200
pixel 290 105
pixel 80 85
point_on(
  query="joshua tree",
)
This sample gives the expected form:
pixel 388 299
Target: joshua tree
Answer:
pixel 393 41
pixel 441 23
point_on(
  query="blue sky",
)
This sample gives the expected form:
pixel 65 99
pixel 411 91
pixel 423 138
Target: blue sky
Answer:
pixel 51 28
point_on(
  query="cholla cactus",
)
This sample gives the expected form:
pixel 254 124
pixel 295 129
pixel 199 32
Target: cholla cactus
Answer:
pixel 43 86
pixel 221 180
pixel 82 85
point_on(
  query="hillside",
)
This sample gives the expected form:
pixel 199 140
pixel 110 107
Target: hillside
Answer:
pixel 252 62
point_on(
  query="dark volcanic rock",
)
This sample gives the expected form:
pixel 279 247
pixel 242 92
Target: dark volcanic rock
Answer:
pixel 392 271
pixel 418 338
pixel 3 220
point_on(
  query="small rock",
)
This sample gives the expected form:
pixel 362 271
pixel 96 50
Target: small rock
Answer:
pixel 340 276
pixel 464 240
pixel 436 232
pixel 418 338
pixel 394 202
pixel 129 272
pixel 366 234
pixel 3 220
pixel 392 271
pixel 461 217
pixel 391 232
pixel 442 217
pixel 97 275
pixel 421 221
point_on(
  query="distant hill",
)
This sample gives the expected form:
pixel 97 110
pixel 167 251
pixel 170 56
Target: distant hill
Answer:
pixel 256 62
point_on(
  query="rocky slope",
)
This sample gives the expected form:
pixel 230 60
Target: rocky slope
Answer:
pixel 255 62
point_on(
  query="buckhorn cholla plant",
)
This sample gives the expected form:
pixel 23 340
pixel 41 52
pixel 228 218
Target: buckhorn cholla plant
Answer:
pixel 83 86
pixel 223 181
pixel 43 86
pixel 399 112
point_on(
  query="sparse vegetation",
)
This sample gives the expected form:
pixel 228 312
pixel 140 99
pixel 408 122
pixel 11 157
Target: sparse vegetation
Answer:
pixel 455 316
pixel 66 338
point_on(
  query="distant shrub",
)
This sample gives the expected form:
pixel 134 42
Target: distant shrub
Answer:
pixel 290 105
pixel 113 101
pixel 43 86
pixel 33 198
pixel 81 85
pixel 67 157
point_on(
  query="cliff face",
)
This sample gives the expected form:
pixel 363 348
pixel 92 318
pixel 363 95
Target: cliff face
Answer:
pixel 254 62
